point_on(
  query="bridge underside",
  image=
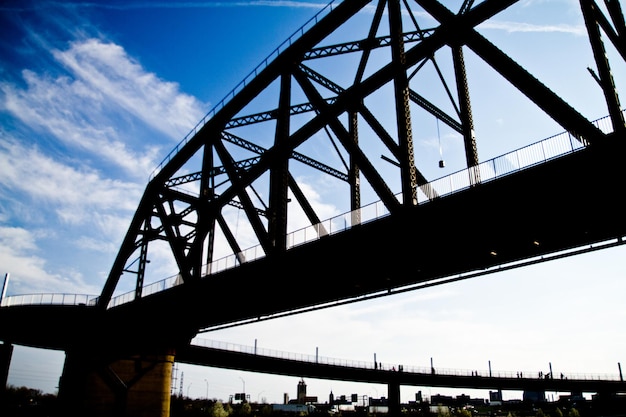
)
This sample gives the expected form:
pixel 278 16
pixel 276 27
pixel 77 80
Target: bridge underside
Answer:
pixel 567 203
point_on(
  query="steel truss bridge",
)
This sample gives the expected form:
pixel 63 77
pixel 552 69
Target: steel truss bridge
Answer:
pixel 338 101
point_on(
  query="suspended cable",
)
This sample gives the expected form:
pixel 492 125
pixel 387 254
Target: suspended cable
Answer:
pixel 442 163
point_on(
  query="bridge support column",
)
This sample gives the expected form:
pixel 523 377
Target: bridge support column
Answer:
pixel 6 352
pixel 100 385
pixel 393 398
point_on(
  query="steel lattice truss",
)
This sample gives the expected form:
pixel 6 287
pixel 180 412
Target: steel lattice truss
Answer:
pixel 333 101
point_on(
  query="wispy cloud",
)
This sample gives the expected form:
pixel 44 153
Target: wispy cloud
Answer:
pixel 18 251
pixel 76 158
pixel 77 195
pixel 108 70
pixel 512 27
pixel 139 5
pixel 92 106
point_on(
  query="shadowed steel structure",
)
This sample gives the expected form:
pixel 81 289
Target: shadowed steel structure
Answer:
pixel 337 99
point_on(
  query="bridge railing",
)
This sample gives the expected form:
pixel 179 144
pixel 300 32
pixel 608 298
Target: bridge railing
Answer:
pixel 297 34
pixel 48 299
pixel 255 350
pixel 515 161
pixel 534 154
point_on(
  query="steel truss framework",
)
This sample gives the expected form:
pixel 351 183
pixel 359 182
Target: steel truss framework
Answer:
pixel 249 154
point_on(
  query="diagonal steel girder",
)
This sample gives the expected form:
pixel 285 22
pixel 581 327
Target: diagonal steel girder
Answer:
pixel 452 28
pixel 526 83
pixel 355 94
pixel 307 41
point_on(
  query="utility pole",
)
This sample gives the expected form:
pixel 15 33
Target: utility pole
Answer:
pixel 4 286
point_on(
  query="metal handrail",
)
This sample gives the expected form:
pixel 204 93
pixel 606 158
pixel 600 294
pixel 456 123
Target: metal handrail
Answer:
pixel 515 161
pixel 348 363
pixel 48 299
pixel 498 167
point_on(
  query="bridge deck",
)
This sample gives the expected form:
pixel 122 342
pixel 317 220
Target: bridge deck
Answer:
pixel 568 202
pixel 223 358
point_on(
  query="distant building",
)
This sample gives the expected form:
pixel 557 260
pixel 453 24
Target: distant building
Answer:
pixel 535 396
pixel 302 398
pixel 442 400
pixel 495 396
pixel 298 409
pixel 301 392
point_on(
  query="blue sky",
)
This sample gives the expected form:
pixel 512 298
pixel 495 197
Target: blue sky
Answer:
pixel 93 96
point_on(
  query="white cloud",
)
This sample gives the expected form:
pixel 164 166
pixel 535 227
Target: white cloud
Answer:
pixel 18 248
pixel 95 107
pixel 75 115
pixel 77 196
pixel 511 27
pixel 107 69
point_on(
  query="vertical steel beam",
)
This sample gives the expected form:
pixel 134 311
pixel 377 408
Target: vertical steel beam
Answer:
pixel 590 9
pixel 465 109
pixel 408 173
pixel 354 176
pixel 143 260
pixel 207 193
pixel 279 171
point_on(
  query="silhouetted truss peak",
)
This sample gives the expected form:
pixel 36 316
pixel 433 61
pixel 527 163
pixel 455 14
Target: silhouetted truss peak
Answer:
pixel 327 124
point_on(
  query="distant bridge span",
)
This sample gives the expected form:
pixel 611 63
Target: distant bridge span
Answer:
pixel 345 370
pixel 242 158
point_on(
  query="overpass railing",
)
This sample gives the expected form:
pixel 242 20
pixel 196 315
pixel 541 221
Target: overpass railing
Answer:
pixel 540 373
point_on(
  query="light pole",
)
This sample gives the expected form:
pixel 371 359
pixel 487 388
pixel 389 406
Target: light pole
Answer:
pixel 207 388
pixel 244 387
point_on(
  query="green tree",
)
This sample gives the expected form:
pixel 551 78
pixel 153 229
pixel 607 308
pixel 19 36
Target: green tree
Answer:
pixel 463 413
pixel 573 413
pixel 245 409
pixel 217 410
pixel 442 412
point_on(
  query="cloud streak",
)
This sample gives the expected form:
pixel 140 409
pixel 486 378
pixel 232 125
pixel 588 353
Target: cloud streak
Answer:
pixel 18 251
pixel 140 5
pixel 94 107
pixel 76 195
pixel 521 27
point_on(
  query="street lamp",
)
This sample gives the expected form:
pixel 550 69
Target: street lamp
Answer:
pixel 207 388
pixel 244 386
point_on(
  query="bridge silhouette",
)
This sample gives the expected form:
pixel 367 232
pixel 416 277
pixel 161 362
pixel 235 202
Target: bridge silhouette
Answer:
pixel 246 155
pixel 254 359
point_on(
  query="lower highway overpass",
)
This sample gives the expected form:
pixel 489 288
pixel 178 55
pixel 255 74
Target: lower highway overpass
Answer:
pixel 393 376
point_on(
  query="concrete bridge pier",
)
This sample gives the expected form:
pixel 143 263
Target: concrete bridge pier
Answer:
pixel 98 384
